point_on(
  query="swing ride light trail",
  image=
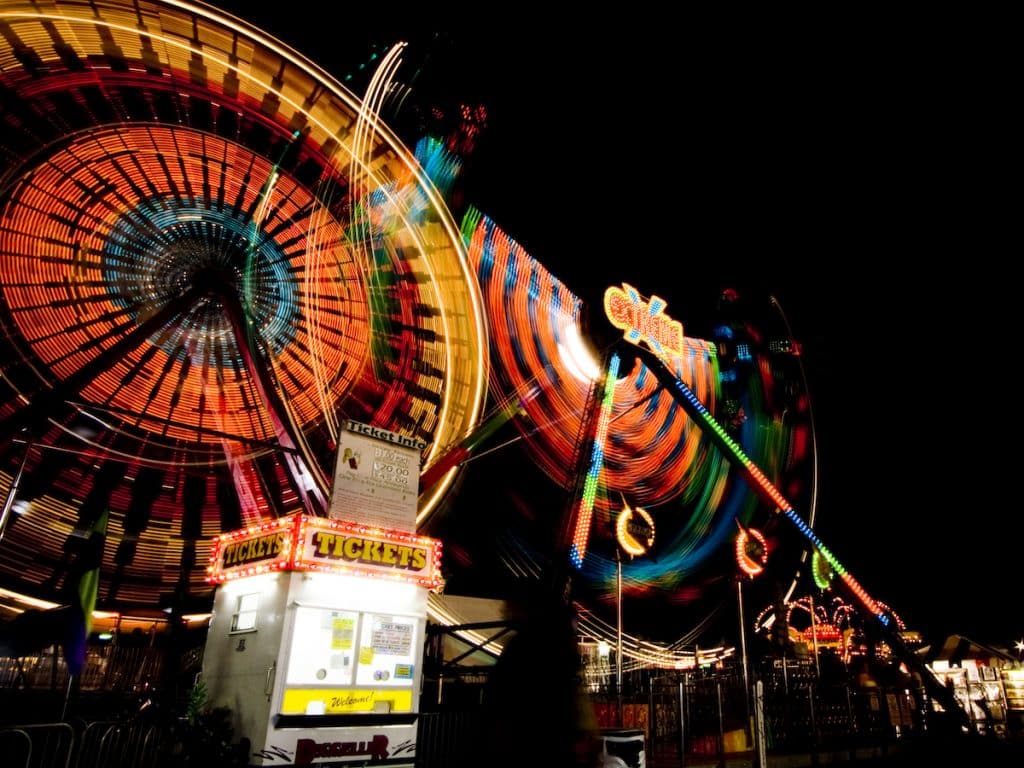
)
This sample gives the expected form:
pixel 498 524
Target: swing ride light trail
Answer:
pixel 696 409
pixel 581 530
pixel 464 449
pixel 652 337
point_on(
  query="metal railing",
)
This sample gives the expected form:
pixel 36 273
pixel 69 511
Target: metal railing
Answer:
pixel 118 669
pixel 44 745
pixel 685 716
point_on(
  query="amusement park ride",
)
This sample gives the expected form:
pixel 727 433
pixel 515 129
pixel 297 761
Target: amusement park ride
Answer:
pixel 216 261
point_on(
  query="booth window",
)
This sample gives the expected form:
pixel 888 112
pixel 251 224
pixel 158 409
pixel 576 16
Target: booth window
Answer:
pixel 244 618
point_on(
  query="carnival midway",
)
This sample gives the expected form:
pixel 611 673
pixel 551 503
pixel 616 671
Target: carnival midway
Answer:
pixel 305 460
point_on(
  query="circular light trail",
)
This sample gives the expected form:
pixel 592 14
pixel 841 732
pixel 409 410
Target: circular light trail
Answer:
pixel 211 252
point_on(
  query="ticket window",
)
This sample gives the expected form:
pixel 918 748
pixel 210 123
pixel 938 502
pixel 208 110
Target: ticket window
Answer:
pixel 386 650
pixel 323 647
pixel 351 662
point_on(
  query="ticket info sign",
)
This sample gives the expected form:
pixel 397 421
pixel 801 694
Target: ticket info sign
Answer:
pixel 376 477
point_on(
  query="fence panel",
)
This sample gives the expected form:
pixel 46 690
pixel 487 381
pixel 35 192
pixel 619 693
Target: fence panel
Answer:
pixel 447 738
pixel 50 745
pixel 16 747
pixel 123 745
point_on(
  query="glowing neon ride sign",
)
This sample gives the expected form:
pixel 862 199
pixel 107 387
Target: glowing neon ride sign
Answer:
pixel 634 529
pixel 644 322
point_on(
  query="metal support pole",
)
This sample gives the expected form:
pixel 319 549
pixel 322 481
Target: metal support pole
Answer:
pixel 618 639
pixel 853 726
pixel 682 721
pixel 743 646
pixel 721 724
pixel 814 724
pixel 760 736
pixel 814 637
pixel 652 719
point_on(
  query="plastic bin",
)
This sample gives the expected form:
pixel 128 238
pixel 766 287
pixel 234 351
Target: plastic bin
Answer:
pixel 622 748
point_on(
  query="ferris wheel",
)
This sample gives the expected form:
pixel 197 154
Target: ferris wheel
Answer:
pixel 212 254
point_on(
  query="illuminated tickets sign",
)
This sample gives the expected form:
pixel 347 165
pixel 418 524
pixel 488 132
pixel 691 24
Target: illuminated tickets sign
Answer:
pixel 644 322
pixel 304 543
pixel 251 550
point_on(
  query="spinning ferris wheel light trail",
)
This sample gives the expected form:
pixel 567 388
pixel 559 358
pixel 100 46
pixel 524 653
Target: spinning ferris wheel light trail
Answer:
pixel 697 410
pixel 185 310
pixel 656 338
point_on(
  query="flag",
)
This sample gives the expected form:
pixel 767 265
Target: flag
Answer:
pixel 86 590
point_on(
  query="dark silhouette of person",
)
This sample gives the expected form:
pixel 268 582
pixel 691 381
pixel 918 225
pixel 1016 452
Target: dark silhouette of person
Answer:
pixel 536 711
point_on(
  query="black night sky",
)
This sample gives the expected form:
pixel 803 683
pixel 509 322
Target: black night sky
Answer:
pixel 841 166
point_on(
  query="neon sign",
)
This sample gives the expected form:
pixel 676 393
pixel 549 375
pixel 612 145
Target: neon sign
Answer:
pixel 751 551
pixel 303 543
pixel 634 529
pixel 255 549
pixel 644 322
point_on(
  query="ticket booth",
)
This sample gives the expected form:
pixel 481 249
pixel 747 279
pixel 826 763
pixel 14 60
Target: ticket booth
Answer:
pixel 317 634
pixel 316 640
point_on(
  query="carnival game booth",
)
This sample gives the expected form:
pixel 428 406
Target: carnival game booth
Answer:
pixel 982 679
pixel 316 639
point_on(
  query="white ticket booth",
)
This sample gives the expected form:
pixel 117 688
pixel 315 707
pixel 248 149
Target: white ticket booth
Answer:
pixel 316 640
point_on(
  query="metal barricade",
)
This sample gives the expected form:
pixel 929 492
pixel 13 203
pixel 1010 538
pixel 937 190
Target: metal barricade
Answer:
pixel 42 745
pixel 122 744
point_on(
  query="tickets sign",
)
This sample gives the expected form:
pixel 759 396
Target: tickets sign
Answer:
pixel 304 543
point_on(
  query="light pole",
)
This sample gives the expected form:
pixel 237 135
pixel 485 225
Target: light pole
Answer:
pixel 618 638
pixel 814 636
pixel 751 556
pixel 743 644
pixel 634 534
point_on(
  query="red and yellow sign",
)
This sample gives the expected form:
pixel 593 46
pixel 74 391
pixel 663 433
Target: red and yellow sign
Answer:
pixel 751 551
pixel 261 548
pixel 644 322
pixel 304 543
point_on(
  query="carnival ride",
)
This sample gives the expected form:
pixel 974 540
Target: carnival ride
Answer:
pixel 212 253
pixel 828 621
pixel 547 350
